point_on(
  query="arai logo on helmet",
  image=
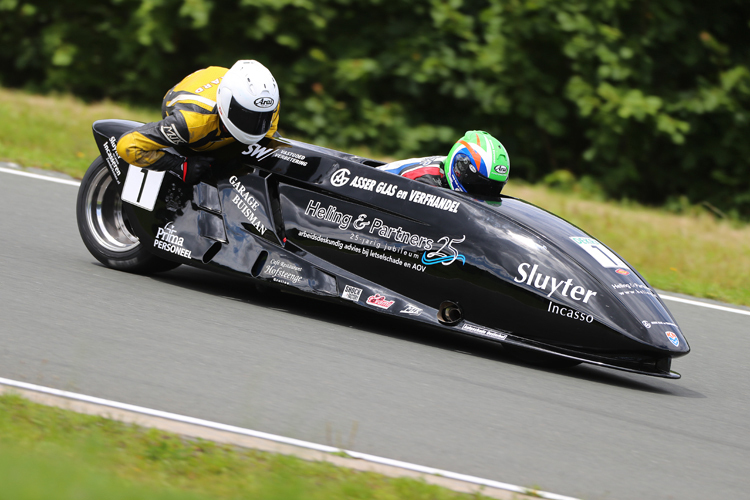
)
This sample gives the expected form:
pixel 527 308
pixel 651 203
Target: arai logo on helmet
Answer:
pixel 673 338
pixel 501 169
pixel 264 102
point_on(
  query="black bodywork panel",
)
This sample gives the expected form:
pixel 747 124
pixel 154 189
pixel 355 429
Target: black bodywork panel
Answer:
pixel 328 224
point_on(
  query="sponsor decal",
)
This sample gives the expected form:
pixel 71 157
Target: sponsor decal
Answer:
pixel 284 272
pixel 322 239
pixel 413 310
pixel 375 226
pixel 632 289
pixel 434 201
pixel 662 323
pixel 330 214
pixel 208 85
pixel 386 188
pixel 168 240
pixel 363 183
pixel 483 331
pixel 258 151
pixel 673 338
pixel 599 252
pixel 561 286
pixel 342 177
pixel 351 293
pixel 264 102
pixel 113 159
pixel 622 271
pixel 500 169
pixel 170 133
pixel 371 252
pixel 384 257
pixel 443 257
pixel 380 301
pixel 262 153
pixel 394 233
pixel 290 156
pixel 569 312
pixel 247 204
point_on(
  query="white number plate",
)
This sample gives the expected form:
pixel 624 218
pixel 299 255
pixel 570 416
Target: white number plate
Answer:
pixel 142 187
pixel 599 252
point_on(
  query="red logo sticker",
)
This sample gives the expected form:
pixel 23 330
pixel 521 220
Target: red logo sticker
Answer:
pixel 379 301
pixel 622 271
pixel 673 338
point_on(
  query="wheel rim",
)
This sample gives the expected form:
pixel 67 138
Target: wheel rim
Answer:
pixel 108 225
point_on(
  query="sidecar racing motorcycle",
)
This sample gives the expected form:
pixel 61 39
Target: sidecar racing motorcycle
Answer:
pixel 327 224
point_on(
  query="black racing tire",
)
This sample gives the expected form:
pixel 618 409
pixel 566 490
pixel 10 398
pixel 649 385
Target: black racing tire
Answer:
pixel 105 229
pixel 539 358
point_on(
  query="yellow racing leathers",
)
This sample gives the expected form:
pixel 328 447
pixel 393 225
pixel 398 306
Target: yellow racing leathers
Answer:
pixel 190 125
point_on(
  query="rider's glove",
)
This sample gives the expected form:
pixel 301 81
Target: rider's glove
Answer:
pixel 189 170
pixel 192 169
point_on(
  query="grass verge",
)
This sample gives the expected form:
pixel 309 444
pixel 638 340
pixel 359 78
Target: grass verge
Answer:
pixel 54 132
pixel 692 254
pixel 47 452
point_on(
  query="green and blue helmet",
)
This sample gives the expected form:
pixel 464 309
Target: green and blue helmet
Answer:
pixel 477 164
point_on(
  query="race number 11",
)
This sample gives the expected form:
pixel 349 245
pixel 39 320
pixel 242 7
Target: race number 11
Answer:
pixel 142 187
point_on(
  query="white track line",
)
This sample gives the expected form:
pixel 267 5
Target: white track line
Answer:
pixel 281 439
pixel 704 304
pixel 40 176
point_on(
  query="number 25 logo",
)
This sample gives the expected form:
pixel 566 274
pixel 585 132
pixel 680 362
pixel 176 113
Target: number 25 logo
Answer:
pixel 441 256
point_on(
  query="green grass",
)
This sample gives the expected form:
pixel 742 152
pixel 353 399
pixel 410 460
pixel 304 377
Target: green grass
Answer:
pixel 54 132
pixel 49 453
pixel 692 253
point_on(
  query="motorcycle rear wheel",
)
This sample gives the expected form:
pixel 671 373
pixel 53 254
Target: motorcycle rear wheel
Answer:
pixel 105 228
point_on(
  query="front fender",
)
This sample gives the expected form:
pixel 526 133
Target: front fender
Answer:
pixel 106 135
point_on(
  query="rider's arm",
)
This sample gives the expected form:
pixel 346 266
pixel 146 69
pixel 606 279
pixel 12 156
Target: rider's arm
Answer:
pixel 431 179
pixel 143 146
pixel 425 170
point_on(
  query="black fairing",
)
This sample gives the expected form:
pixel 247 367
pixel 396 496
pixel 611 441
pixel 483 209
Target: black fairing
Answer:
pixel 327 223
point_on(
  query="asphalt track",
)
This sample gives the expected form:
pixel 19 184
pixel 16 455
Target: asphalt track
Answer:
pixel 212 347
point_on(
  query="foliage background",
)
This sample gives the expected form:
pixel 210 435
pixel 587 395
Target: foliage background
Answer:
pixel 651 99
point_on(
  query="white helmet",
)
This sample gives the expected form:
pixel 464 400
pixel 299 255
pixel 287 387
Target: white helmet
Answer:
pixel 247 98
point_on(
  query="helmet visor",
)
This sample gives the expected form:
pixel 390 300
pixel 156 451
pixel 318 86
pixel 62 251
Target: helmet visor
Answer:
pixel 249 121
pixel 473 181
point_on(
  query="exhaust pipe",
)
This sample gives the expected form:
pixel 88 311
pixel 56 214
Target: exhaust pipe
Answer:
pixel 450 313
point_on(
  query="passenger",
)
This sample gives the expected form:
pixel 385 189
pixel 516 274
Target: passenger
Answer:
pixel 209 109
pixel 477 164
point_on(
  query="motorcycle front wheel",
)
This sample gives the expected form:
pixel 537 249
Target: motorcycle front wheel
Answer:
pixel 105 228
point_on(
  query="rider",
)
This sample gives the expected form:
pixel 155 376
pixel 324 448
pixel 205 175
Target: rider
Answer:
pixel 477 164
pixel 209 109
